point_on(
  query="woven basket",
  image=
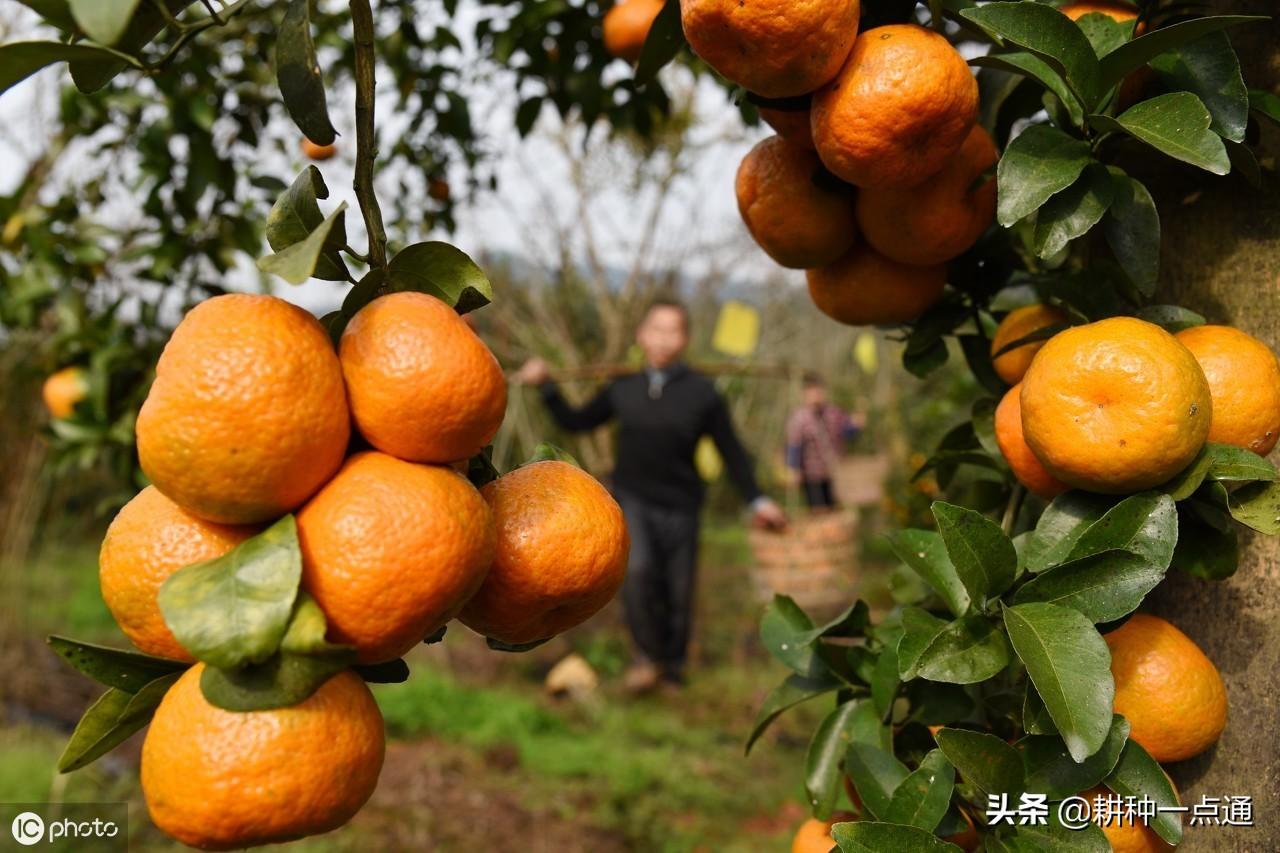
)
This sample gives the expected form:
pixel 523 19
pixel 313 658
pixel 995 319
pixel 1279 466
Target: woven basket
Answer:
pixel 815 560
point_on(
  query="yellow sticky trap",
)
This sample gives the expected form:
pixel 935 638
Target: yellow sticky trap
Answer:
pixel 866 353
pixel 706 458
pixel 737 330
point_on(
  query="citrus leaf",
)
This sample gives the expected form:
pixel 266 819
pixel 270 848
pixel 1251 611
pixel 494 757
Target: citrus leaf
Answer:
pixel 279 682
pixel 1048 34
pixel 1185 483
pixel 885 680
pixel 983 555
pixel 923 797
pixel 866 837
pixel 925 554
pixel 442 271
pixel 1137 774
pixel 852 622
pixel 547 452
pixel 1209 68
pixel 527 115
pixel 876 774
pixel 307 627
pixel 20 60
pixel 933 703
pixel 1035 717
pixel 1075 210
pixel 665 39
pixel 1265 104
pixel 782 630
pixel 1039 162
pixel 1171 318
pixel 1051 837
pixel 1118 64
pixel 1177 124
pixel 1235 464
pixel 1257 505
pixel 480 468
pixel 1054 772
pixel 299 262
pixel 1205 550
pixel 919 629
pixel 367 289
pixel 91 73
pixel 111 720
pixel 56 13
pixel 296 214
pixel 1104 587
pixel 788 694
pixel 234 610
pixel 1145 524
pixel 1032 66
pixel 298 75
pixel 822 760
pixel 1060 526
pixel 126 671
pixel 984 760
pixel 969 650
pixel 104 21
pixel 1070 666
pixel 1104 33
pixel 1132 230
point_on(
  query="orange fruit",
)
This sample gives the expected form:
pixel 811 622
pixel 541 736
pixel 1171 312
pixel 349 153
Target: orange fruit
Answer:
pixel 814 836
pixel 939 219
pixel 422 384
pixel 1169 691
pixel 1244 379
pixel 898 111
pixel 1116 406
pixel 223 780
pixel 248 414
pixel 1115 11
pixel 391 550
pixel 797 222
pixel 775 48
pixel 64 389
pixel 561 553
pixel 1016 325
pixel 792 125
pixel 1134 84
pixel 866 288
pixel 627 25
pixel 438 189
pixel 148 540
pixel 1026 467
pixel 1126 833
pixel 316 152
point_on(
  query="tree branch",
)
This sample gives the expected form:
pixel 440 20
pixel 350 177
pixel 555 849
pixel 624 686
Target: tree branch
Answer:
pixel 366 153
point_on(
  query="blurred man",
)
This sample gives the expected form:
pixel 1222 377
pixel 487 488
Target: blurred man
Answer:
pixel 662 411
pixel 817 435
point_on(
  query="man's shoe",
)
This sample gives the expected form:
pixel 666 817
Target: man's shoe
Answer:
pixel 641 677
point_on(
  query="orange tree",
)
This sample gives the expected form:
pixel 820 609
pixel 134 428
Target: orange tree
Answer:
pixel 1014 669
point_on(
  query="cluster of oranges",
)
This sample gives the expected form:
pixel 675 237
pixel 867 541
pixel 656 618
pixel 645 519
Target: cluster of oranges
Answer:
pixel 250 418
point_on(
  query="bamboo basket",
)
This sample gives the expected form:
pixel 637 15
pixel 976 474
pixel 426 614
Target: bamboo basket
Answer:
pixel 815 560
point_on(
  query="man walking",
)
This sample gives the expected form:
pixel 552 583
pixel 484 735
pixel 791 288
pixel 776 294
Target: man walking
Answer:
pixel 662 412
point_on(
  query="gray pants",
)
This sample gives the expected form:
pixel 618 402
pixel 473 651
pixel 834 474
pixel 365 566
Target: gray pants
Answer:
pixel 658 593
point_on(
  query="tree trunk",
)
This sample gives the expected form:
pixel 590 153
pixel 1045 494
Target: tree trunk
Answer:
pixel 1221 257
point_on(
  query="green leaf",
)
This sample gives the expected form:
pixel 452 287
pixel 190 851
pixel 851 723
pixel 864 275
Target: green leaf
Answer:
pixel 104 21
pixel 1118 64
pixel 126 671
pixel 823 759
pixel 367 289
pixel 1144 524
pixel 1054 772
pixel 1032 66
pixel 1265 104
pixel 977 354
pixel 279 682
pixel 20 60
pixel 788 694
pixel 547 452
pixel 967 651
pixel 866 837
pixel 1048 34
pixel 111 720
pixel 527 115
pixel 1104 587
pixel 1185 483
pixel 90 73
pixel 1177 124
pixel 1035 717
pixel 1052 837
pixel 298 75
pixel 1137 774
pixel 1209 68
pixel 919 629
pixel 1171 318
pixel 934 703
pixel 1039 163
pixel 443 271
pixel 1132 230
pixel 1070 666
pixel 885 680
pixel 296 215
pixel 783 628
pixel 56 13
pixel 480 468
pixel 876 774
pixel 234 610
pixel 1205 550
pixel 925 554
pixel 923 797
pixel 306 632
pixel 984 422
pixel 984 760
pixel 1075 210
pixel 300 261
pixel 983 555
pixel 1060 526
pixel 665 39
pixel 1104 33
pixel 1257 505
pixel 1235 464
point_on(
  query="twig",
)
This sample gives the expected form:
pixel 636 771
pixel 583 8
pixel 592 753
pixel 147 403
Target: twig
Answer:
pixel 366 154
pixel 1011 509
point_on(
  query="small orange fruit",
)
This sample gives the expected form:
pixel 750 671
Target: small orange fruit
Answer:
pixel 1116 406
pixel 64 389
pixel 391 550
pixel 898 111
pixel 939 219
pixel 865 288
pixel 224 780
pixel 561 554
pixel 422 384
pixel 1244 379
pixel 1126 832
pixel 312 151
pixel 627 25
pixel 792 125
pixel 1018 324
pixel 1115 11
pixel 149 539
pixel 1026 467
pixel 797 222
pixel 775 48
pixel 248 414
pixel 814 836
pixel 438 189
pixel 1169 691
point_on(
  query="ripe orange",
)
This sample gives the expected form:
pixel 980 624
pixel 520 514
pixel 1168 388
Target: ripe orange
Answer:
pixel 149 539
pixel 797 222
pixel 865 288
pixel 1115 11
pixel 391 550
pixel 939 219
pixel 248 415
pixel 1116 406
pixel 627 25
pixel 1018 324
pixel 1126 833
pixel 64 389
pixel 792 125
pixel 775 48
pixel 814 836
pixel 318 152
pixel 1134 84
pixel 438 189
pixel 561 554
pixel 1026 467
pixel 899 110
pixel 1244 379
pixel 223 780
pixel 422 384
pixel 1169 691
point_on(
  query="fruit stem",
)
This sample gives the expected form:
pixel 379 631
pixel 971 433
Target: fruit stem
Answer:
pixel 366 153
pixel 1011 509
